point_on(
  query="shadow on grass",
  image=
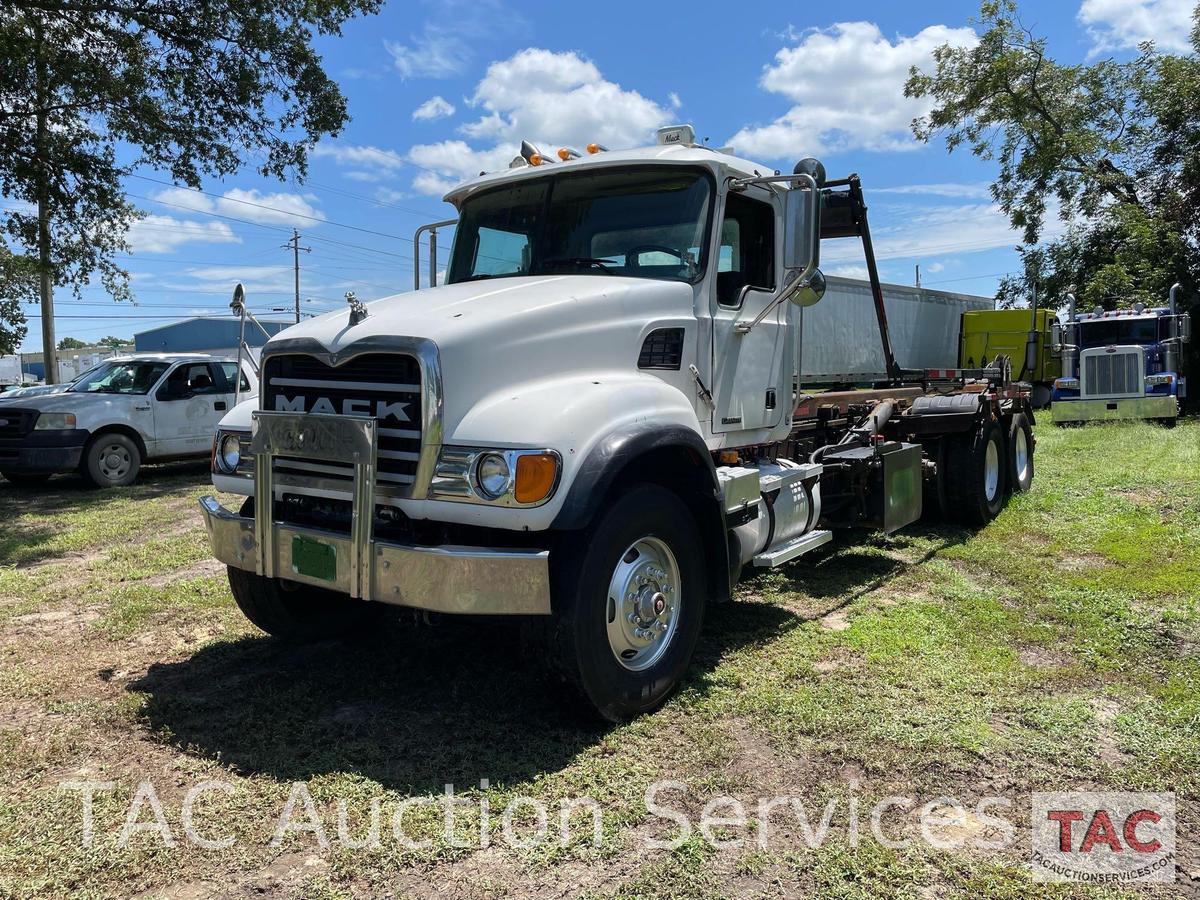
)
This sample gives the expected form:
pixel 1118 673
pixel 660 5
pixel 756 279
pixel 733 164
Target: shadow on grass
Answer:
pixel 414 708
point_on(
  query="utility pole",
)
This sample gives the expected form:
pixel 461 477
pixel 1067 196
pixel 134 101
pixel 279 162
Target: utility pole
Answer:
pixel 918 275
pixel 294 245
pixel 45 271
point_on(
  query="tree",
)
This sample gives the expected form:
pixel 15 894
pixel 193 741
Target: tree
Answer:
pixel 70 343
pixel 1111 150
pixel 92 89
pixel 113 343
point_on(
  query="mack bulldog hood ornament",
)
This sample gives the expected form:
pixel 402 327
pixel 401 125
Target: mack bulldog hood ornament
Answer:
pixel 358 311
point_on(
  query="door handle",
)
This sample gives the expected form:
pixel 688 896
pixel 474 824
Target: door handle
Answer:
pixel 142 408
pixel 220 406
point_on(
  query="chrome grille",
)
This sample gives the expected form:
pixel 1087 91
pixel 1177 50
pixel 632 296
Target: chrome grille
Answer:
pixel 386 386
pixel 1114 373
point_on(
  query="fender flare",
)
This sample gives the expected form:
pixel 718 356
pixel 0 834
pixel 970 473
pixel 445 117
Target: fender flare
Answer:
pixel 610 459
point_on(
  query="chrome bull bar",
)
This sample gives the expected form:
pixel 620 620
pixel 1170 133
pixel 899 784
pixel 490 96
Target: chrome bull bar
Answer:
pixel 452 579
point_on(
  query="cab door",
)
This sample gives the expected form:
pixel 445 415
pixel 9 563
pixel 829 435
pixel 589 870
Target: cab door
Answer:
pixel 752 370
pixel 188 404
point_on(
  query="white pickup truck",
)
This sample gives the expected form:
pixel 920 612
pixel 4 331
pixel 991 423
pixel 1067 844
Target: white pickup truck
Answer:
pixel 126 411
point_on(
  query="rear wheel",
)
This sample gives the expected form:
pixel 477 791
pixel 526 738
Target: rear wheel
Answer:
pixel 297 613
pixel 976 468
pixel 629 601
pixel 1020 454
pixel 111 460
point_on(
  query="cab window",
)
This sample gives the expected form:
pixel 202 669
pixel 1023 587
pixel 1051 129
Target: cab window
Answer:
pixel 231 370
pixel 747 253
pixel 189 380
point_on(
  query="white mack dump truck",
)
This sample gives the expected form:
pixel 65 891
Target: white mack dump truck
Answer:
pixel 593 424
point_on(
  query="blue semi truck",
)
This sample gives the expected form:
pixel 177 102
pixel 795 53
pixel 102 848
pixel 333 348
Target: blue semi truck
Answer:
pixel 1121 364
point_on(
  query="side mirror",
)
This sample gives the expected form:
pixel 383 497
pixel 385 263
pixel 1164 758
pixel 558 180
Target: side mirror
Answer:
pixel 1056 339
pixel 1185 328
pixel 810 293
pixel 802 225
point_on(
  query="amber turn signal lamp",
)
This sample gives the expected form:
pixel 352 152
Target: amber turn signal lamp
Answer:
pixel 536 475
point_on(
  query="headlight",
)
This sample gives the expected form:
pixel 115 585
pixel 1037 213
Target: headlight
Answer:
pixel 1067 384
pixel 55 422
pixel 492 475
pixel 231 452
pixel 1158 379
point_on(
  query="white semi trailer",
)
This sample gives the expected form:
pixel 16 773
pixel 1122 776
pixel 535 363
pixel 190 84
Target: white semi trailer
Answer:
pixel 838 339
pixel 594 424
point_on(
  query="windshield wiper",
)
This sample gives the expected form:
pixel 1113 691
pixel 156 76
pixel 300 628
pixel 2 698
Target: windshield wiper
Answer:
pixel 601 264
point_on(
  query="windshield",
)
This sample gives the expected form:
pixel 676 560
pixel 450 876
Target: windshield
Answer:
pixel 1106 332
pixel 648 223
pixel 121 378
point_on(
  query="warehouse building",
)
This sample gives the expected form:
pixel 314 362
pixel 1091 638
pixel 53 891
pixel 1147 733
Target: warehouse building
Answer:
pixel 203 335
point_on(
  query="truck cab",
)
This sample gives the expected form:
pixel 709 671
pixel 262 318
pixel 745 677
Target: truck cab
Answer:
pixel 1122 364
pixel 127 410
pixel 592 424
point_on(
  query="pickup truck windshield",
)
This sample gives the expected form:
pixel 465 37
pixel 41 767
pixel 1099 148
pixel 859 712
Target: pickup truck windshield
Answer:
pixel 648 223
pixel 121 378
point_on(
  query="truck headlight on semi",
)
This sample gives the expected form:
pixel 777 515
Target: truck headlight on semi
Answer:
pixel 55 422
pixel 1154 380
pixel 496 477
pixel 230 450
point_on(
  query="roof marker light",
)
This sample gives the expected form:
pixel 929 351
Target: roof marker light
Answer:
pixel 596 148
pixel 565 153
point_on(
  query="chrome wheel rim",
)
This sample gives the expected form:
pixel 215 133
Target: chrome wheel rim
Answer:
pixel 991 470
pixel 643 603
pixel 114 462
pixel 1021 453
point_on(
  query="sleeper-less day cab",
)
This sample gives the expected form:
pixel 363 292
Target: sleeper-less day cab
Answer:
pixel 594 424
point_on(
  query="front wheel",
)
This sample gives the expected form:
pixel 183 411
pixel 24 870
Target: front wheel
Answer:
pixel 976 474
pixel 111 460
pixel 629 602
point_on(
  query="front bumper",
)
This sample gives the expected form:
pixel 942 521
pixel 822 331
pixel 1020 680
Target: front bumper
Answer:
pixel 467 580
pixel 1160 407
pixel 450 579
pixel 43 453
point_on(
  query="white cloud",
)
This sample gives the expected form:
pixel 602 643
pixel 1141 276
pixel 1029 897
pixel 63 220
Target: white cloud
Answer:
pixel 363 163
pixel 434 108
pixel 253 205
pixel 929 231
pixel 846 84
pixel 973 191
pixel 847 271
pixel 1123 24
pixel 438 52
pixel 161 234
pixel 552 99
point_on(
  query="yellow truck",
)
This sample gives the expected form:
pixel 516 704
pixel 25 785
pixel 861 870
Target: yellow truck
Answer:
pixel 987 333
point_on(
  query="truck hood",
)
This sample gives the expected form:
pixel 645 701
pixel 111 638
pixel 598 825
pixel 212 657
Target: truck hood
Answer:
pixel 494 336
pixel 69 401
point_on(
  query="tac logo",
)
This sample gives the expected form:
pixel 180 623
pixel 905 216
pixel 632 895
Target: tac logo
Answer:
pixel 1103 837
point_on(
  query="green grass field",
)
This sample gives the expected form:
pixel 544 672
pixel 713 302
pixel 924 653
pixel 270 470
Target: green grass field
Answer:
pixel 1055 649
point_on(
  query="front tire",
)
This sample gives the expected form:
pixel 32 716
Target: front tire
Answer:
pixel 111 460
pixel 976 468
pixel 297 613
pixel 629 600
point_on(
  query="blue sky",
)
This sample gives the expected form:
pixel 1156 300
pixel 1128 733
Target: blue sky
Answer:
pixel 440 89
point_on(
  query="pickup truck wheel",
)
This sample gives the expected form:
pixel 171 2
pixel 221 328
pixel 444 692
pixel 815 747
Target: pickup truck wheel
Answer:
pixel 111 460
pixel 976 472
pixel 26 479
pixel 1020 454
pixel 297 613
pixel 629 603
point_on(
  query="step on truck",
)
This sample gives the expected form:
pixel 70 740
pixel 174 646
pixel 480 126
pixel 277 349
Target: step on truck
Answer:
pixel 594 422
pixel 1122 364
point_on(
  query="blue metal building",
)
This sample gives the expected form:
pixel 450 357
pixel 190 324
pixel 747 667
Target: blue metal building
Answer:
pixel 202 335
